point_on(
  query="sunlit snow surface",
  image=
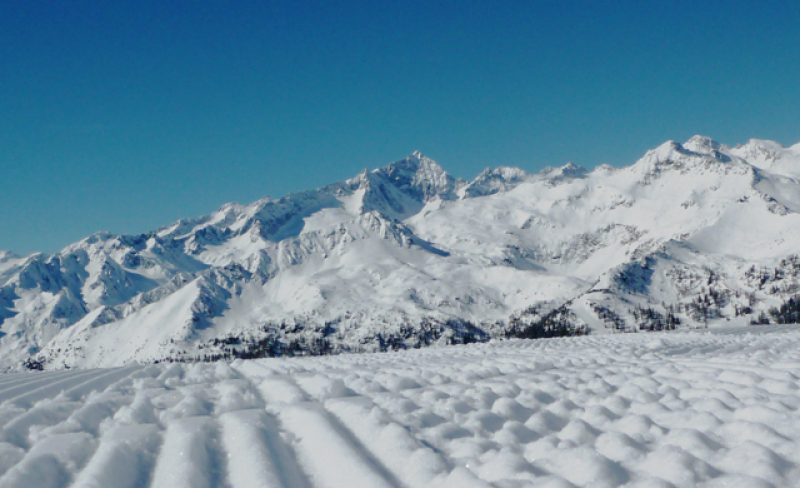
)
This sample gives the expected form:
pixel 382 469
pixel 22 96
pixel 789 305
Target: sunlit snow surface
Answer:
pixel 677 409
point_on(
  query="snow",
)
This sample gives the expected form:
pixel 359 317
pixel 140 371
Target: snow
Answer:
pixel 708 409
pixel 407 255
pixel 771 156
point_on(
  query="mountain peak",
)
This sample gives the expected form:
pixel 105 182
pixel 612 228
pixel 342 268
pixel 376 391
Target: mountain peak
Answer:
pixel 6 255
pixel 506 172
pixel 570 167
pixel 493 180
pixel 383 257
pixel 771 155
pixel 570 170
pixel 768 143
pixel 759 150
pixel 565 171
pixel 701 144
pixel 416 161
pixel 419 173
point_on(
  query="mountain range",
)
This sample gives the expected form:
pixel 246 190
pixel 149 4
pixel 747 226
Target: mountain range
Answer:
pixel 692 235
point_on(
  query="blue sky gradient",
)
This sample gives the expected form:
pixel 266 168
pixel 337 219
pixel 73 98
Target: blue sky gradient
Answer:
pixel 126 116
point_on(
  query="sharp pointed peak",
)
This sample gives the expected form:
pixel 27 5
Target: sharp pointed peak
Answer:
pixel 415 162
pixel 418 174
pixel 416 154
pixel 422 160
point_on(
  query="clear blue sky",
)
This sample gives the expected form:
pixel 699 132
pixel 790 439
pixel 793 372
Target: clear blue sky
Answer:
pixel 124 117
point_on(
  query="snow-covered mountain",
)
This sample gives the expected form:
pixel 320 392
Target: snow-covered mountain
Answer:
pixel 691 235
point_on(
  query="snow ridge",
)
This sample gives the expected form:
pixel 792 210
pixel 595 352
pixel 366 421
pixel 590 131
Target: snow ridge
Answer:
pixel 692 235
pixel 662 409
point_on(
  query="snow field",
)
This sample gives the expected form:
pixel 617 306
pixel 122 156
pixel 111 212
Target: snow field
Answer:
pixel 672 409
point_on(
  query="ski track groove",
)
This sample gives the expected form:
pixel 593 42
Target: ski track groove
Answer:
pixel 39 385
pixel 683 409
pixel 335 413
pixel 8 433
pixel 278 466
pixel 117 381
pixel 186 458
pixel 116 376
pixel 29 378
pixel 361 459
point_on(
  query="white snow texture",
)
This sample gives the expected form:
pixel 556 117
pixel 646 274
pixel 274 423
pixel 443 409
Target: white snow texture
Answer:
pixel 677 409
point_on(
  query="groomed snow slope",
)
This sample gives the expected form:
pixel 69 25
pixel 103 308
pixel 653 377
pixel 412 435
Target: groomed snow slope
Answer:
pixel 661 409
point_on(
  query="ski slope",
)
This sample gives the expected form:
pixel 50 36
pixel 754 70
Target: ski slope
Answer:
pixel 659 409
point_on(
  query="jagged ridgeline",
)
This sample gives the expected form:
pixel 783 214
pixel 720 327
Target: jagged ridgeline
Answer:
pixel 692 235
